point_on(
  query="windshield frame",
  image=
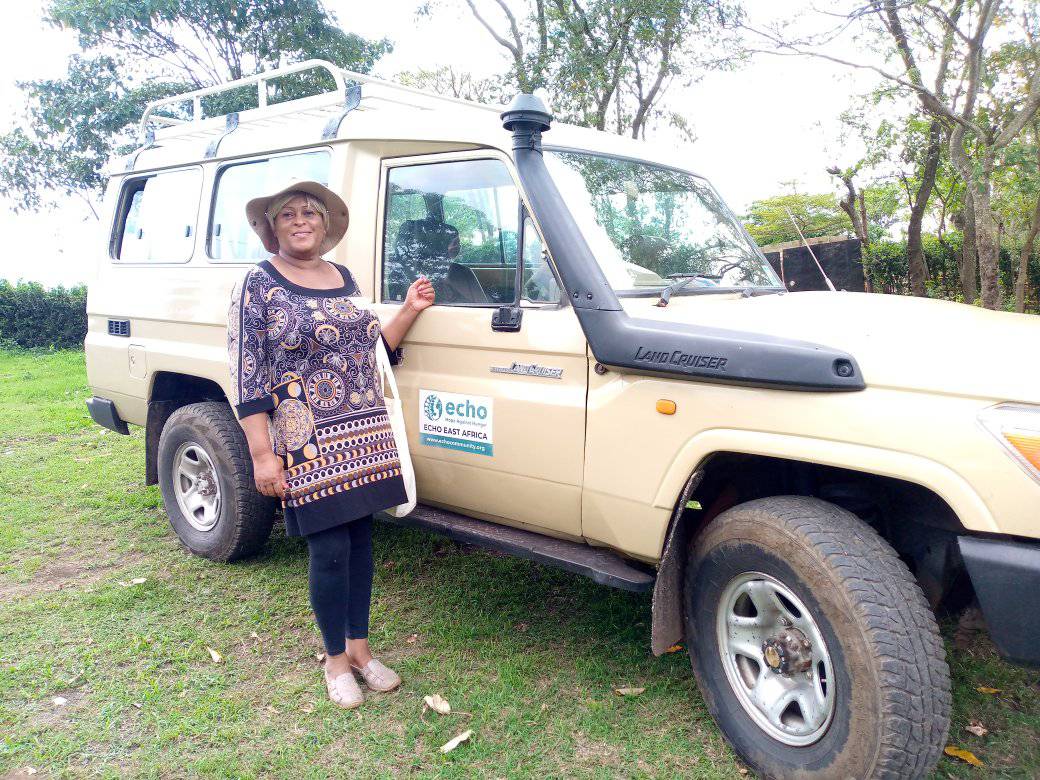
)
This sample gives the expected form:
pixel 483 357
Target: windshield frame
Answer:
pixel 655 290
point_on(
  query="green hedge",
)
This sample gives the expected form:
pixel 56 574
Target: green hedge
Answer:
pixel 32 317
pixel 886 264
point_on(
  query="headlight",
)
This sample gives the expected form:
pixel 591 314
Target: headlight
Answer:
pixel 1017 427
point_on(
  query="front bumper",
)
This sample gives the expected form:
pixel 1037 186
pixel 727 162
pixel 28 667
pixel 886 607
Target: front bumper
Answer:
pixel 1006 576
pixel 103 412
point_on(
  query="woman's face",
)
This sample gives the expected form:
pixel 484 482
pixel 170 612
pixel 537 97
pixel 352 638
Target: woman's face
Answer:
pixel 299 228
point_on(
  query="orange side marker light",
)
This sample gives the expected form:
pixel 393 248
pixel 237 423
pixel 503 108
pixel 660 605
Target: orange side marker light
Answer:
pixel 1027 446
pixel 664 406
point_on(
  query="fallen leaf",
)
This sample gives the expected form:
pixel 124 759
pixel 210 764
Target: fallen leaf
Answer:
pixel 59 701
pixel 451 744
pixel 138 580
pixel 964 755
pixel 437 704
pixel 984 689
pixel 628 691
pixel 30 770
pixel 254 635
pixel 976 728
pixel 743 771
pixel 137 704
pixel 412 639
pixel 319 657
pixel 214 655
pixel 674 649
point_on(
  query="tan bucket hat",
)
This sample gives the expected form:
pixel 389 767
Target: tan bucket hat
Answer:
pixel 339 216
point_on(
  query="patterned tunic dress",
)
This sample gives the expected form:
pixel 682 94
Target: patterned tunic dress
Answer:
pixel 308 357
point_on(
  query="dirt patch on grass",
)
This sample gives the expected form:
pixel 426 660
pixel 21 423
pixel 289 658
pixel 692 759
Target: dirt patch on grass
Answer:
pixel 590 753
pixel 46 715
pixel 25 771
pixel 69 570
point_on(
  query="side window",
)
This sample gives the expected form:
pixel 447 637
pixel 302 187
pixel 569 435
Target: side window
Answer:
pixel 539 283
pixel 457 224
pixel 157 217
pixel 230 238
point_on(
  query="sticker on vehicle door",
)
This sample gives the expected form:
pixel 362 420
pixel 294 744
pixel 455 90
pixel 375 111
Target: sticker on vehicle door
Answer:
pixel 456 421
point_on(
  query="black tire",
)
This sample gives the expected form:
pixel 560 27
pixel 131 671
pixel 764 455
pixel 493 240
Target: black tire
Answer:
pixel 891 695
pixel 242 523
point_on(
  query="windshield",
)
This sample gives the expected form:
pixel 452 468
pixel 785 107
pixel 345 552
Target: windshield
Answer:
pixel 647 225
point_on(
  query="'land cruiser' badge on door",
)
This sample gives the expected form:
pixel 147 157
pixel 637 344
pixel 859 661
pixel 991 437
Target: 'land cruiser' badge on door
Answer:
pixel 529 369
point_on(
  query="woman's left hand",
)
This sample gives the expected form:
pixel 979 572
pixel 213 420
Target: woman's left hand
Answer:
pixel 420 295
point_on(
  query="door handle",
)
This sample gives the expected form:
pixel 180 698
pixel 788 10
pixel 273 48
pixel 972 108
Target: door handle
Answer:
pixel 507 318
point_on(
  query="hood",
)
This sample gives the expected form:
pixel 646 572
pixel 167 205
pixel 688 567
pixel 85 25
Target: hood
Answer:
pixel 900 342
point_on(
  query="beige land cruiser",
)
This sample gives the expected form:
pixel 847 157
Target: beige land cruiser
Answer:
pixel 615 382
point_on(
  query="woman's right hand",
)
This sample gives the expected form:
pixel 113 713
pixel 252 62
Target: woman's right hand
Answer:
pixel 269 475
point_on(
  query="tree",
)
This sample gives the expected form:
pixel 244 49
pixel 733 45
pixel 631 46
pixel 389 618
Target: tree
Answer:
pixel 445 80
pixel 608 63
pixel 75 124
pixel 204 42
pixel 1018 200
pixel 136 52
pixel 985 105
pixel 768 222
pixel 935 136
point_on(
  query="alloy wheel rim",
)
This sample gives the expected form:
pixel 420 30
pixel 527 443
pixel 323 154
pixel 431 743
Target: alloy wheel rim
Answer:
pixel 196 486
pixel 775 658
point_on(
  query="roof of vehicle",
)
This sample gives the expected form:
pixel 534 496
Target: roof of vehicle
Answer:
pixel 360 108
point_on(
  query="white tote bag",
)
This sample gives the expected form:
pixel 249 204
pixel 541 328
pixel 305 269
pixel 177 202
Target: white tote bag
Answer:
pixel 395 411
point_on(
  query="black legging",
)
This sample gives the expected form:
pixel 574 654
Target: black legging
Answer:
pixel 341 581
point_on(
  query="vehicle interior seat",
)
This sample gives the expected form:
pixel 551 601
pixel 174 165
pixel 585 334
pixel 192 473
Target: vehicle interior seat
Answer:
pixel 428 246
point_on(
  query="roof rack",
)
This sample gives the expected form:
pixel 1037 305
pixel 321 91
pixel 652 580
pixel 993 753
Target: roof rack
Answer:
pixel 398 94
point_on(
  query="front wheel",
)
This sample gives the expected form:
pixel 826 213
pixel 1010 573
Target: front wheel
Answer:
pixel 813 645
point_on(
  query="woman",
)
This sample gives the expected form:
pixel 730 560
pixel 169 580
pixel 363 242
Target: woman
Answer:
pixel 309 398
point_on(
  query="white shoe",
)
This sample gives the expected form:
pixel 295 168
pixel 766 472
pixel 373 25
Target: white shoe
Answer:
pixel 378 676
pixel 345 691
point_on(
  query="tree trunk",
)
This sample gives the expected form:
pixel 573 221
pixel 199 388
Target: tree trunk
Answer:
pixel 914 246
pixel 858 219
pixel 967 265
pixel 987 236
pixel 1022 282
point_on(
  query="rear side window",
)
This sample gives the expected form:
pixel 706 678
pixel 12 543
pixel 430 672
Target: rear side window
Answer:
pixel 156 218
pixel 231 239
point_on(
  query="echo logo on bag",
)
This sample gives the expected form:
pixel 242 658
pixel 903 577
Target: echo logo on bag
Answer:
pixel 456 421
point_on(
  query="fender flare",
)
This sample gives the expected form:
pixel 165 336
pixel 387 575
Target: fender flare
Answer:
pixel 689 469
pixel 950 486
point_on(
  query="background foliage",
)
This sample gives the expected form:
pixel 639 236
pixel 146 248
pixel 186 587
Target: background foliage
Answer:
pixel 32 317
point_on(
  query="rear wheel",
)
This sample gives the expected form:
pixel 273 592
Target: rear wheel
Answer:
pixel 206 479
pixel 813 645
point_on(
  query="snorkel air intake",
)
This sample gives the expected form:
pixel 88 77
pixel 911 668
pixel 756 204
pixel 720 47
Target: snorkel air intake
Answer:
pixel 653 346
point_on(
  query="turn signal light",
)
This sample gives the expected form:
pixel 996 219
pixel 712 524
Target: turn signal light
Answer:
pixel 1017 427
pixel 1028 447
pixel 664 406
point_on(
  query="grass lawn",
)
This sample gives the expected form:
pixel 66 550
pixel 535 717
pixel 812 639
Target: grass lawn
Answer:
pixel 528 657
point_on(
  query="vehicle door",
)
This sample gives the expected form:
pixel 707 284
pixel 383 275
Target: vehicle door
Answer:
pixel 494 376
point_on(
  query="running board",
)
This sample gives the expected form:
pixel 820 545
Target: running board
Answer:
pixel 598 564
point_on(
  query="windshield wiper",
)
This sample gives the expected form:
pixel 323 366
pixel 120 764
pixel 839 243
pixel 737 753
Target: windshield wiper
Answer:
pixel 681 281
